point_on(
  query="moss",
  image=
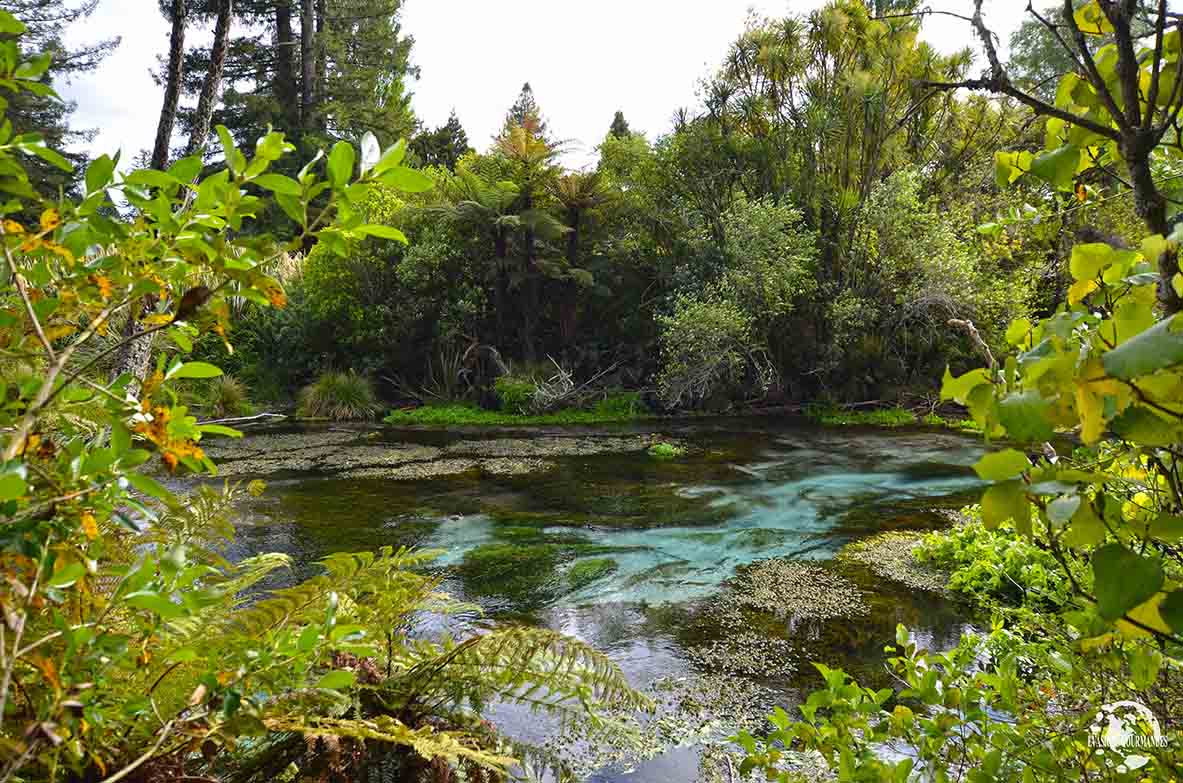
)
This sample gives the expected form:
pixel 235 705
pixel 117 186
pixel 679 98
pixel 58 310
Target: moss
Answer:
pixel 585 572
pixel 462 415
pixel 665 450
pixel 883 417
pixel 525 572
pixel 944 422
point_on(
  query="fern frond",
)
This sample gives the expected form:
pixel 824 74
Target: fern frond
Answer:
pixel 425 741
pixel 534 667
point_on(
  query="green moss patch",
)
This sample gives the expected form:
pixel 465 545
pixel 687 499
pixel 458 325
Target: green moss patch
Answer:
pixel 466 415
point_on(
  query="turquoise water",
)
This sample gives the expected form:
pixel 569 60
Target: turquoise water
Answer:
pixel 627 552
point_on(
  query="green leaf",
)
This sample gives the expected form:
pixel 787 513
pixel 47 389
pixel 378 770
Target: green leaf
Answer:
pixel 1018 330
pixel 1167 527
pixel 407 180
pixel 99 173
pixel 1024 416
pixel 335 680
pixel 10 25
pixel 393 156
pixel 234 158
pixel 68 575
pixel 186 169
pixel 46 154
pixel 1157 347
pixel 12 486
pixel 278 183
pixel 218 429
pixel 383 232
pixel 308 638
pixel 1086 530
pixel 960 388
pixel 1058 167
pixel 1006 501
pixel 155 603
pixel 340 164
pixel 150 486
pixel 1089 258
pixel 1123 579
pixel 1171 610
pixel 194 370
pixel 1000 465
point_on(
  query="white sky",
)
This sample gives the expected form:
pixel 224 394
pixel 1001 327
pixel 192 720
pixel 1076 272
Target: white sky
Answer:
pixel 583 59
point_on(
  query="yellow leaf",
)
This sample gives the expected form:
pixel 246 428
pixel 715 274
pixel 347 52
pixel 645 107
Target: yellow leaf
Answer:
pixel 1146 614
pixel 58 332
pixel 1177 283
pixel 50 219
pixel 1080 289
pixel 1153 247
pixel 157 319
pixel 89 526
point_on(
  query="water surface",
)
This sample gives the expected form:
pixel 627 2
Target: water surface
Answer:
pixel 631 553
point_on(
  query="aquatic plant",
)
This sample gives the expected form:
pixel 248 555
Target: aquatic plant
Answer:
pixel 227 396
pixel 795 588
pixel 340 396
pixel 470 415
pixel 584 572
pixel 890 555
pixel 881 417
pixel 665 450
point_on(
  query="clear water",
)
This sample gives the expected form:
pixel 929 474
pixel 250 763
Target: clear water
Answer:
pixel 672 533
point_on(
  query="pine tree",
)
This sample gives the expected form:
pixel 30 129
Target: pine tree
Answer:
pixel 47 22
pixel 443 146
pixel 619 129
pixel 339 73
pixel 525 114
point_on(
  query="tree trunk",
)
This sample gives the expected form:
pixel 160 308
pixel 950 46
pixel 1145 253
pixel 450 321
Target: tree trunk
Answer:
pixel 136 355
pixel 500 286
pixel 307 61
pixel 569 300
pixel 530 311
pixel 319 87
pixel 1151 206
pixel 172 85
pixel 285 70
pixel 213 80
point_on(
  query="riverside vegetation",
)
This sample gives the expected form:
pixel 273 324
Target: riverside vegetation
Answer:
pixel 850 216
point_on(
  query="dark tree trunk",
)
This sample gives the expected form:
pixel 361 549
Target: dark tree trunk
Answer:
pixel 285 69
pixel 569 299
pixel 307 62
pixel 500 285
pixel 213 80
pixel 136 354
pixel 320 88
pixel 172 85
pixel 530 311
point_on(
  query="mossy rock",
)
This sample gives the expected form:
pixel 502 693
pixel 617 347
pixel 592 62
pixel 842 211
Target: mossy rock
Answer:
pixel 584 572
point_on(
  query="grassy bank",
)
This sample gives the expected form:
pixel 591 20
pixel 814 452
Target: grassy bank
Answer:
pixel 886 417
pixel 470 415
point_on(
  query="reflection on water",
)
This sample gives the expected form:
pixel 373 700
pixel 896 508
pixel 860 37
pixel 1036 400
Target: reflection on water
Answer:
pixel 625 551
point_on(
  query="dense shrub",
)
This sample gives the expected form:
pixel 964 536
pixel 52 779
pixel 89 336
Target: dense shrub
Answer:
pixel 514 393
pixel 709 352
pixel 341 396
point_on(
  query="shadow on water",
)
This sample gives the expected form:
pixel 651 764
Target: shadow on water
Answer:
pixel 632 554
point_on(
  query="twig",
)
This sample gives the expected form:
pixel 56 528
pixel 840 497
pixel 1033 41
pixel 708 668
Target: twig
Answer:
pixel 968 327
